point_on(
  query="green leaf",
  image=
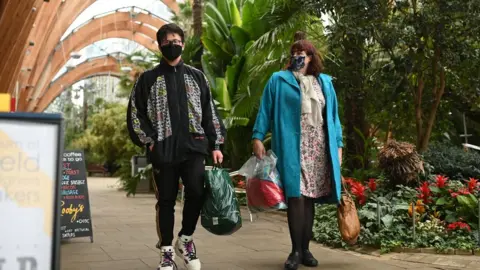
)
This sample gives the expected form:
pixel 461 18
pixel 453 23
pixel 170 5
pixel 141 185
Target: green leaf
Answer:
pixel 235 14
pixel 223 7
pixel 241 121
pixel 215 49
pixel 240 38
pixel 403 206
pixel 435 189
pixel 232 75
pixel 214 31
pixel 387 220
pixel 212 12
pixel 370 215
pixel 451 218
pixel 441 201
pixel 465 201
pixel 208 69
pixel 222 95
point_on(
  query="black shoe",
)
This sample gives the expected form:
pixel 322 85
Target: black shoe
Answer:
pixel 308 259
pixel 293 261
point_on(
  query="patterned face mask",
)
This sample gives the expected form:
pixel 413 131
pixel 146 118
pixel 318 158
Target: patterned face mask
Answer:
pixel 297 62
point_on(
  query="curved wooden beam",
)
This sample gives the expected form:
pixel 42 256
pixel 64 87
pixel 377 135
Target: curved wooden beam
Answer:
pixel 138 37
pixel 63 18
pixel 97 66
pixel 101 28
pixel 16 21
pixel 97 29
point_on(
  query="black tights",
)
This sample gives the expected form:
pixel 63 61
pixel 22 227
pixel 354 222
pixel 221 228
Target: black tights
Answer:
pixel 300 215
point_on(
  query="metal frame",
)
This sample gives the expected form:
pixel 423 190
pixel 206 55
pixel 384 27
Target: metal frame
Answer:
pixel 53 119
pixel 475 147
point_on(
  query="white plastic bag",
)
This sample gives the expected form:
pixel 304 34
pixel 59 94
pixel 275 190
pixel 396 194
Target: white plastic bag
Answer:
pixel 264 188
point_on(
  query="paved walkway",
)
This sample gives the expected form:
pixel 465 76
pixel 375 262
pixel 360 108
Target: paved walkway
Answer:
pixel 125 238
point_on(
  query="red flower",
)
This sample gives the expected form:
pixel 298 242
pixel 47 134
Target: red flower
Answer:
pixel 472 184
pixel 349 181
pixel 458 225
pixel 241 184
pixel 372 185
pixel 425 193
pixel 358 190
pixel 462 191
pixel 441 181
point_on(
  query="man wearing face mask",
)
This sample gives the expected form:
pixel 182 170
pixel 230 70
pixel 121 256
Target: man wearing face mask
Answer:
pixel 171 113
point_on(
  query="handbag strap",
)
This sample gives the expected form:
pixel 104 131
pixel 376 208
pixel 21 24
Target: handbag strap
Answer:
pixel 344 187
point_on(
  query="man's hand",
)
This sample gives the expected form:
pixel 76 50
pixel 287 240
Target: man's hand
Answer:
pixel 258 149
pixel 217 157
pixel 151 147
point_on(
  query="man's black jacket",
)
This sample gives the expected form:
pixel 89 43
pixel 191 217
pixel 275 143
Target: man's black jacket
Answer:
pixel 172 108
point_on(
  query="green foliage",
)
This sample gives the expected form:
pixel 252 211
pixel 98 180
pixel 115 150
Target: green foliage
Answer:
pixel 391 225
pixel 453 161
pixel 129 183
pixel 107 140
pixel 234 38
pixel 184 18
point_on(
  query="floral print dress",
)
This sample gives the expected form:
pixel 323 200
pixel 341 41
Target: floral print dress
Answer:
pixel 315 179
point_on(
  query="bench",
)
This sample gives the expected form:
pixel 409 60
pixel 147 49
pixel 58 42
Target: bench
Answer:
pixel 96 168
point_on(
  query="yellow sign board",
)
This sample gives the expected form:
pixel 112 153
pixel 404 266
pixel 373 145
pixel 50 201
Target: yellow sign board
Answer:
pixel 5 101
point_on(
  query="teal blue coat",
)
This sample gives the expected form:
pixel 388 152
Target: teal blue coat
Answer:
pixel 280 113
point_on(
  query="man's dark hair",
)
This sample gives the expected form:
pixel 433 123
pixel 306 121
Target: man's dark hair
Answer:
pixel 170 28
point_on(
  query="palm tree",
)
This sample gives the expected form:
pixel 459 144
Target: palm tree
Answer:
pixel 197 18
pixel 185 17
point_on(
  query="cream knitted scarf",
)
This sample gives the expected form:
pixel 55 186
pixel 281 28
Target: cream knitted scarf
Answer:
pixel 310 102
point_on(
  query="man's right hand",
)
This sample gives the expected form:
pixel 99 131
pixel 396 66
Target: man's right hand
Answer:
pixel 258 148
pixel 151 147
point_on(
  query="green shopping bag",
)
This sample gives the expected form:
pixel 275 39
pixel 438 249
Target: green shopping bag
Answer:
pixel 221 210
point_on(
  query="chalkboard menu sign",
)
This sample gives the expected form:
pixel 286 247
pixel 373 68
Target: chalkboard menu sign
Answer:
pixel 75 213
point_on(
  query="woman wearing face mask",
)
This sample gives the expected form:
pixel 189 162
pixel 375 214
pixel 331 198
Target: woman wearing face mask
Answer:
pixel 299 107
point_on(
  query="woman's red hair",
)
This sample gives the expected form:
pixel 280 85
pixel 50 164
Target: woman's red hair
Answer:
pixel 315 67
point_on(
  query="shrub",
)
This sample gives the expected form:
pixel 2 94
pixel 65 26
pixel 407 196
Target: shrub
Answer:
pixel 400 163
pixel 453 161
pixel 446 215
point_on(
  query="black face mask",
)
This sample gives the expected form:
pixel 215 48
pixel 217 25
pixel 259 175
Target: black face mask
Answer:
pixel 297 62
pixel 171 51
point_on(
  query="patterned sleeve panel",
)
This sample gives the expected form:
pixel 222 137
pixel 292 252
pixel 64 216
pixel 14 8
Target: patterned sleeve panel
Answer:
pixel 138 123
pixel 212 122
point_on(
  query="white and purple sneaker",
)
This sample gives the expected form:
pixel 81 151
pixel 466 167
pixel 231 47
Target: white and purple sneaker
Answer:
pixel 185 249
pixel 167 259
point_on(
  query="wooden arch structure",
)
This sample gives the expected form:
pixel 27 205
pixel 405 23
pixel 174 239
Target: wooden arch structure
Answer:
pixel 30 30
pixel 103 65
pixel 141 29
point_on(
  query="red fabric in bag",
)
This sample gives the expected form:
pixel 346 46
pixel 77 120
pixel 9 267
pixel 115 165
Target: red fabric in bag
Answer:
pixel 263 193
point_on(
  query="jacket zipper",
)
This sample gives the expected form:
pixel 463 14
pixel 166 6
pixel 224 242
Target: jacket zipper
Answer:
pixel 178 111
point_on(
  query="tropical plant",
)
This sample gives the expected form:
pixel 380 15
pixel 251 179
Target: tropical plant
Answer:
pixel 185 17
pixel 107 140
pixel 444 215
pixel 238 61
pixel 400 162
